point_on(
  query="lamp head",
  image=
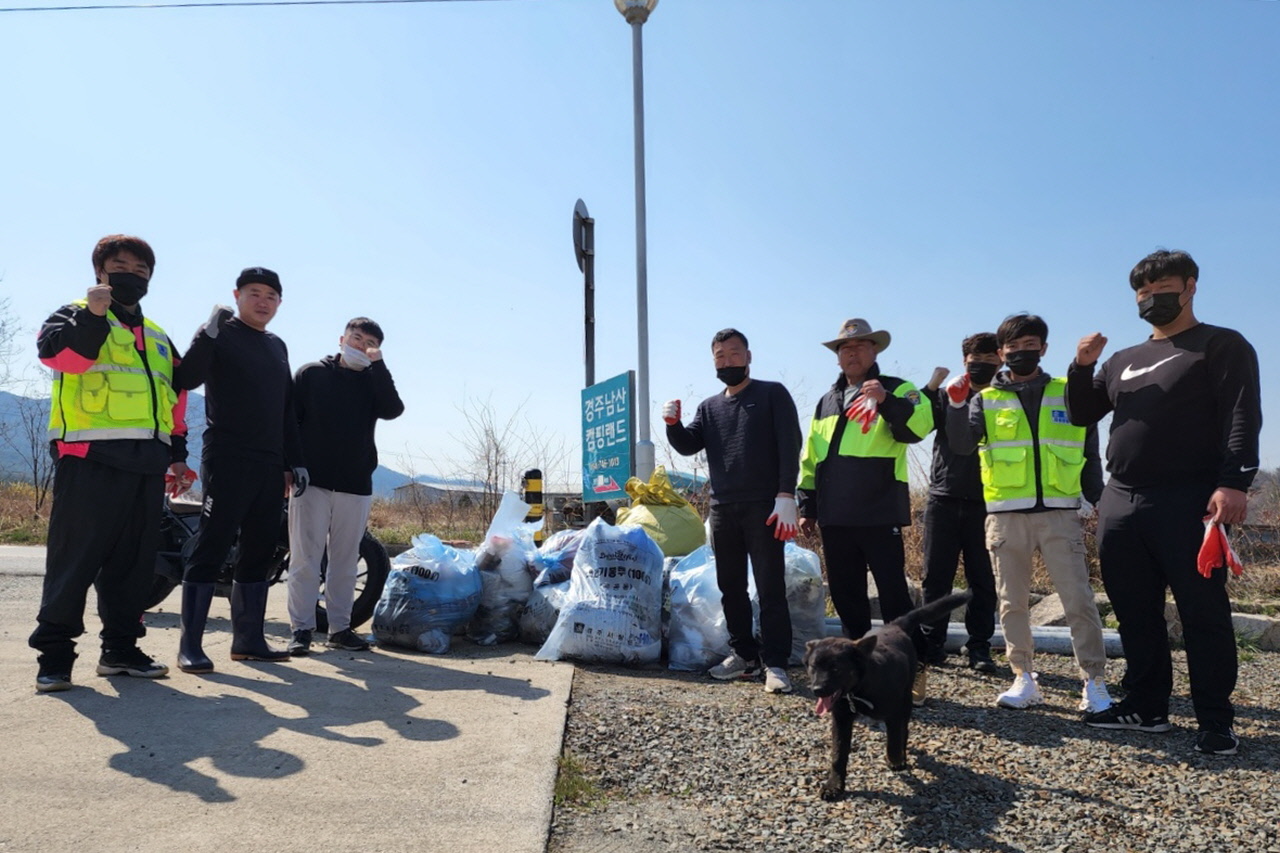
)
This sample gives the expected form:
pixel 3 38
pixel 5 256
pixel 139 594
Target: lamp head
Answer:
pixel 635 11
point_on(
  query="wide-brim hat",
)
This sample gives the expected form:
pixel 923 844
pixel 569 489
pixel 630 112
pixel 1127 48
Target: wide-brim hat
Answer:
pixel 859 329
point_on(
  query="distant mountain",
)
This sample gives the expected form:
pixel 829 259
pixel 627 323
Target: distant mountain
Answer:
pixel 12 463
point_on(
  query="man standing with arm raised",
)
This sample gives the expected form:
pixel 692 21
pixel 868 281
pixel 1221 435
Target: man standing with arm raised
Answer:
pixel 1186 414
pixel 853 482
pixel 251 458
pixel 751 434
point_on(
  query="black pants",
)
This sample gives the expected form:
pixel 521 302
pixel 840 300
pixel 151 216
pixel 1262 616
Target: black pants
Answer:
pixel 104 528
pixel 849 552
pixel 953 527
pixel 1148 540
pixel 738 531
pixel 240 496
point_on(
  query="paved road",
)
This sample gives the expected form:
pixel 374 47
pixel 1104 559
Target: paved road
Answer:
pixel 378 751
pixel 21 560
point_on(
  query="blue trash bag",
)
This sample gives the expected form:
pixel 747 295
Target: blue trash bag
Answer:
pixel 433 590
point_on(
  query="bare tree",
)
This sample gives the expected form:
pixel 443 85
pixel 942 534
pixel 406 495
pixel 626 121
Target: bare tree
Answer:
pixel 500 449
pixel 27 436
pixel 8 333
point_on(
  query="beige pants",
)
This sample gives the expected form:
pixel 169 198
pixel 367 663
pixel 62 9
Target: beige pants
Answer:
pixel 1012 539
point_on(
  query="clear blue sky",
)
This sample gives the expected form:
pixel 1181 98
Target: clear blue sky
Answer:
pixel 930 166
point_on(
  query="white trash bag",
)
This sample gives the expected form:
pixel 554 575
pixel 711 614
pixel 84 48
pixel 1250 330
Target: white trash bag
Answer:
pixel 613 612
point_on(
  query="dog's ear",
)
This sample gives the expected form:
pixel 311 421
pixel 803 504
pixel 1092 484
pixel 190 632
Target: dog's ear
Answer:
pixel 867 644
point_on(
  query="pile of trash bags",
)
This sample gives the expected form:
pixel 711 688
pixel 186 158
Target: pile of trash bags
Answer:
pixel 608 593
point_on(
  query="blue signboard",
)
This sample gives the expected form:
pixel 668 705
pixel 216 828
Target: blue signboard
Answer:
pixel 608 428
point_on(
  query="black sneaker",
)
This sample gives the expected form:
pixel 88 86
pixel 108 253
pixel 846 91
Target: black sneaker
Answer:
pixel 1122 716
pixel 300 645
pixel 52 681
pixel 1217 741
pixel 130 662
pixel 981 662
pixel 347 640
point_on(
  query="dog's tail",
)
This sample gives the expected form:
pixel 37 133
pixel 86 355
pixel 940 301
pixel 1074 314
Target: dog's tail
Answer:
pixel 932 610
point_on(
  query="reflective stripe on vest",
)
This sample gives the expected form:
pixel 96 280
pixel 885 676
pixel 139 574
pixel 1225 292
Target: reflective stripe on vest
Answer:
pixel 121 396
pixel 1006 453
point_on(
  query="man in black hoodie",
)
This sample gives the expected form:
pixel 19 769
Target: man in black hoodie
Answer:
pixel 338 401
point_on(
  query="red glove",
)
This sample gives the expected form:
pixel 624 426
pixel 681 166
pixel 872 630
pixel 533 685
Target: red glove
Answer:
pixel 863 411
pixel 958 390
pixel 174 485
pixel 671 412
pixel 1216 551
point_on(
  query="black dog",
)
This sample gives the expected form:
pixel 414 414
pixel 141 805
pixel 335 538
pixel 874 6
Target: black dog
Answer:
pixel 873 676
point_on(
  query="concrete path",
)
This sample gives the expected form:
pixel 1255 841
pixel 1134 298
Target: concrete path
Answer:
pixel 339 751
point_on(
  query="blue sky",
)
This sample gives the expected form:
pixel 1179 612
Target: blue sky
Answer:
pixel 930 166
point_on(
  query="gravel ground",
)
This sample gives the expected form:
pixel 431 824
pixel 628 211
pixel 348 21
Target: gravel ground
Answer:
pixel 682 763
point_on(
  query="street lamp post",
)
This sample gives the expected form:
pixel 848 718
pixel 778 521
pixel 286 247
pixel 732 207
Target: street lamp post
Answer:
pixel 637 12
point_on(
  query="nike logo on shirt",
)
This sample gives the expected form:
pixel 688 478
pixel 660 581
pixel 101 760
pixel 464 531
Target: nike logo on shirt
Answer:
pixel 1244 470
pixel 1129 373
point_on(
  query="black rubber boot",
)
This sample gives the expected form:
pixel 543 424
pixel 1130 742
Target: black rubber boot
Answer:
pixel 248 612
pixel 195 611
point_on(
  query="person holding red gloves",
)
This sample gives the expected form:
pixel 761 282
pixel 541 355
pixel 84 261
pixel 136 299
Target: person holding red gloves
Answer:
pixel 1186 412
pixel 853 481
pixel 751 435
pixel 955 514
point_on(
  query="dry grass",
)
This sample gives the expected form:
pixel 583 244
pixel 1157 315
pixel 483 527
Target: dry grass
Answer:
pixel 20 523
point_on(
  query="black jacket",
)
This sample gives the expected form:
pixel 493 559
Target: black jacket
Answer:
pixel 338 410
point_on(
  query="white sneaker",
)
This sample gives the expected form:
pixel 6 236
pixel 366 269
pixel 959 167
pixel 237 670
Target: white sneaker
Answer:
pixel 1023 694
pixel 734 667
pixel 776 680
pixel 1094 697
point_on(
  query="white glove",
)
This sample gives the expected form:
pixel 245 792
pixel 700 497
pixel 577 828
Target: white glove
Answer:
pixel 1086 509
pixel 671 412
pixel 783 519
pixel 300 481
pixel 217 319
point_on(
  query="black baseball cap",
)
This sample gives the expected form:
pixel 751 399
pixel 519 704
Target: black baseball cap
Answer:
pixel 259 275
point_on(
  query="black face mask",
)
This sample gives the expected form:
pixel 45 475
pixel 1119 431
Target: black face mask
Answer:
pixel 1023 362
pixel 980 372
pixel 731 376
pixel 127 288
pixel 1160 309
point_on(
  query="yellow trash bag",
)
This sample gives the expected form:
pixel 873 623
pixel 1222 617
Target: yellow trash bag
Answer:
pixel 669 519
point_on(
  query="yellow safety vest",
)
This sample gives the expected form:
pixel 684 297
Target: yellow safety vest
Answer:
pixel 1008 453
pixel 123 395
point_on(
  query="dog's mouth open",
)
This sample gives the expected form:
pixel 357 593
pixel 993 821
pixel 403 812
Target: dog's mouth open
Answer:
pixel 825 703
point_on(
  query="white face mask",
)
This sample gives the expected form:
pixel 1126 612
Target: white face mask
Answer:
pixel 353 358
